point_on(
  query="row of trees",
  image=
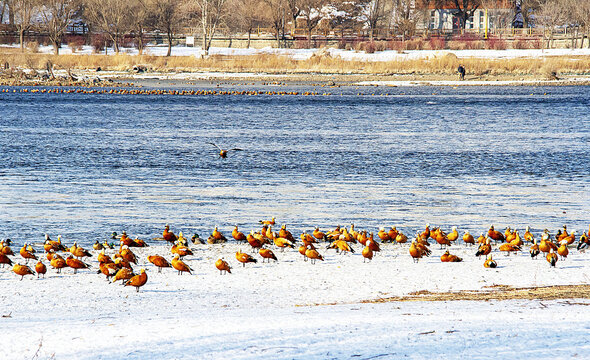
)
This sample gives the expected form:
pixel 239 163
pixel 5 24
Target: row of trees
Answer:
pixel 117 18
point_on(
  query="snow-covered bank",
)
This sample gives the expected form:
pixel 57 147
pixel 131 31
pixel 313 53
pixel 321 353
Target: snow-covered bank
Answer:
pixel 304 54
pixel 261 310
pixel 473 330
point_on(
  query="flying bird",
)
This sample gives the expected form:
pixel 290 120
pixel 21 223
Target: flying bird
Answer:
pixel 223 153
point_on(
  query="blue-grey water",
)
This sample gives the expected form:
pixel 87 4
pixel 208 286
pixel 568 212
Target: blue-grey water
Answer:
pixel 84 165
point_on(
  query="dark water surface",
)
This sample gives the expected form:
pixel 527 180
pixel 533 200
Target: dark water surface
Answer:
pixel 84 165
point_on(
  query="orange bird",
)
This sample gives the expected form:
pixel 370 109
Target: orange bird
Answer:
pixel 223 153
pixel 79 252
pixel 426 233
pixel 180 250
pixel 441 238
pixel 508 248
pixel 495 234
pixel 222 266
pixel 551 258
pixel 448 257
pixel 307 239
pixel 27 254
pixel 401 238
pixel 392 233
pixel 76 264
pixel 128 255
pixel 5 260
pixel 284 233
pixel 283 243
pixel 302 250
pixel 490 263
pixel 367 253
pixel 384 235
pixel 122 263
pixel 40 268
pixel 181 266
pixel 341 245
pixel 6 250
pixel 108 269
pixel 468 238
pixel 268 222
pixel 528 236
pixel 453 235
pixel 534 249
pixel 563 251
pixel 216 237
pixel 244 258
pixel 253 241
pixel 319 235
pixel 169 235
pixel 22 270
pixel 103 258
pixel 484 249
pixel 417 251
pixel 267 254
pixel 313 254
pixel 238 235
pixel 123 274
pixel 138 280
pixel 57 262
pixel 159 261
pixel 546 245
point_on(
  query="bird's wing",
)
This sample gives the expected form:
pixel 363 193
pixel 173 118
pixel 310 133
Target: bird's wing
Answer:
pixel 215 145
pixel 235 149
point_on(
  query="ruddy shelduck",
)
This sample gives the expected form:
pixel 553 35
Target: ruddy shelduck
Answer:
pixel 138 280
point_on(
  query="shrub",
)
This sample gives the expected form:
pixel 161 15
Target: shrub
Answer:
pixel 396 45
pixel 301 44
pixel 75 42
pixel 436 43
pixel 494 43
pixel 98 42
pixel 416 44
pixel 521 44
pixel 32 46
pixel 342 44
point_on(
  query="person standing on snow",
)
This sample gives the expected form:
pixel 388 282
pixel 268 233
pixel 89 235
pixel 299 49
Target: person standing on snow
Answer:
pixel 461 71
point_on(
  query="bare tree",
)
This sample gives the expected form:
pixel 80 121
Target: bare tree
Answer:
pixel 294 8
pixel 583 12
pixel 54 17
pixel 405 17
pixel 209 13
pixel 24 12
pixel 374 13
pixel 167 18
pixel 112 17
pixel 312 13
pixel 245 15
pixel 551 15
pixel 139 21
pixel 275 14
pixel 347 15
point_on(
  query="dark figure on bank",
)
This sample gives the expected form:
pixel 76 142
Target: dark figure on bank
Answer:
pixel 461 71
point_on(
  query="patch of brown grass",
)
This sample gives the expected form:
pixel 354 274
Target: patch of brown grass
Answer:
pixel 445 65
pixel 498 292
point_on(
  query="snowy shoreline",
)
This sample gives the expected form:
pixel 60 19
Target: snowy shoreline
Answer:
pixel 265 310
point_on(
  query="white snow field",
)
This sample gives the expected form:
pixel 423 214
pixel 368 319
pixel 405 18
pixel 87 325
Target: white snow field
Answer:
pixel 303 54
pixel 292 309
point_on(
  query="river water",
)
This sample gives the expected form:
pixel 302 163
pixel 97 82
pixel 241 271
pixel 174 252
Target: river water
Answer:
pixel 84 165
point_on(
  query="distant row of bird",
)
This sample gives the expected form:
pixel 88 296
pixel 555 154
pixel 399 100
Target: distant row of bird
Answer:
pixel 340 238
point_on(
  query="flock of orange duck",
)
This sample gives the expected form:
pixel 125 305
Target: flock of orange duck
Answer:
pixel 119 268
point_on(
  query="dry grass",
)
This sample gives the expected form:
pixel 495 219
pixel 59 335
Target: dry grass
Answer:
pixel 500 292
pixel 446 65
